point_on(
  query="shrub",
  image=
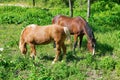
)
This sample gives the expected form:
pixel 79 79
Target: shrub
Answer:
pixel 11 18
pixel 18 15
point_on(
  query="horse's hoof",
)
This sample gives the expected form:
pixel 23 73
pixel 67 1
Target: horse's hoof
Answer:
pixel 93 54
pixel 55 49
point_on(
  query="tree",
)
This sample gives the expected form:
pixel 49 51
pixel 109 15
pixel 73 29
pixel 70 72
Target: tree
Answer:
pixel 33 3
pixel 71 8
pixel 88 10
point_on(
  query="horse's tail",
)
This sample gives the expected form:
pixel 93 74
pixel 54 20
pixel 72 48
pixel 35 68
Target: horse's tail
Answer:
pixel 66 30
pixel 22 44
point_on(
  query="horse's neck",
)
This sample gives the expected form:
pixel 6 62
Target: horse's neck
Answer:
pixel 88 31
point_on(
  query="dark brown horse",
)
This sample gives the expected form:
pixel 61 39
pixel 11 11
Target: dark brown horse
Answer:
pixel 35 35
pixel 77 27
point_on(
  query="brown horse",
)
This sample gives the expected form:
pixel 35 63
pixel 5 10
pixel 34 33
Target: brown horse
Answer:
pixel 77 27
pixel 35 35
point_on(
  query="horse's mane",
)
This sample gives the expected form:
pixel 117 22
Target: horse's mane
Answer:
pixel 88 29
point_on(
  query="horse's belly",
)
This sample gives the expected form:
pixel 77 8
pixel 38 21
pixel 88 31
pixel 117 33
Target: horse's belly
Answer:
pixel 42 41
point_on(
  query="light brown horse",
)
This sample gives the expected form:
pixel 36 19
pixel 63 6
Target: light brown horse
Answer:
pixel 77 27
pixel 36 35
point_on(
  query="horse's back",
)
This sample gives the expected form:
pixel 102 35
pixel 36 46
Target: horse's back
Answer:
pixel 61 19
pixel 42 34
pixel 35 34
pixel 75 24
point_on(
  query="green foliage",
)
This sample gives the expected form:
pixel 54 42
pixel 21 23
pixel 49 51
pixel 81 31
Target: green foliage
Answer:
pixel 18 15
pixel 109 15
pixel 117 67
pixel 102 6
pixel 105 14
pixel 36 16
pixel 116 1
pixel 81 4
pixel 11 18
pixel 107 63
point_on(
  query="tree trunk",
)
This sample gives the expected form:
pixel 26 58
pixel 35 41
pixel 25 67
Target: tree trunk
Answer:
pixel 88 10
pixel 33 3
pixel 71 8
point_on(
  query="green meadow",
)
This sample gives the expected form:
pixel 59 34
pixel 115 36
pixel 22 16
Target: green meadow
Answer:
pixel 104 65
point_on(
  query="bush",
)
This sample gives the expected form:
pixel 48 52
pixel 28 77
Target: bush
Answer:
pixel 109 15
pixel 11 18
pixel 18 15
pixel 105 14
pixel 37 16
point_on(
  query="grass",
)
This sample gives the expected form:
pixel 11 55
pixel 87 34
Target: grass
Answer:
pixel 84 66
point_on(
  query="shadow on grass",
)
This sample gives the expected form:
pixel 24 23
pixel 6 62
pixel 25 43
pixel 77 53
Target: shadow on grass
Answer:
pixel 101 50
pixel 69 57
pixel 46 57
pixel 73 57
pixel 104 49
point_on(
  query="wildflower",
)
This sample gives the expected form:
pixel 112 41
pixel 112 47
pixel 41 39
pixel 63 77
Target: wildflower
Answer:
pixel 1 49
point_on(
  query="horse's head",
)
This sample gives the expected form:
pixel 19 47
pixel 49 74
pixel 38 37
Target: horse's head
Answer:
pixel 91 45
pixel 91 38
pixel 55 19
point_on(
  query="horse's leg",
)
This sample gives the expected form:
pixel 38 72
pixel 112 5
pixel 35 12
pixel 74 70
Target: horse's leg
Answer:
pixel 58 51
pixel 32 50
pixel 80 42
pixel 23 48
pixel 75 42
pixel 64 50
pixel 54 45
